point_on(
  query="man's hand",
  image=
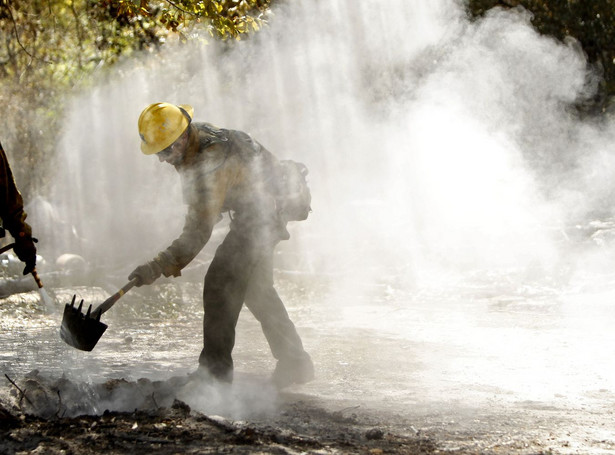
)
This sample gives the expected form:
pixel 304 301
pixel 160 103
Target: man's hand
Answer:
pixel 26 252
pixel 146 273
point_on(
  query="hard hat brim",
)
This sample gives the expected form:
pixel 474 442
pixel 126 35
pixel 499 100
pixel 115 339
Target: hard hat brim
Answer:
pixel 189 109
pixel 150 149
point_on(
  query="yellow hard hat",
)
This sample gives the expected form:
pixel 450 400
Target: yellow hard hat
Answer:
pixel 160 124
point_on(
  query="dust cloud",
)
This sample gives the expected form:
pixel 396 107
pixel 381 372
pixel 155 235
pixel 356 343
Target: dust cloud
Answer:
pixel 439 149
pixel 431 140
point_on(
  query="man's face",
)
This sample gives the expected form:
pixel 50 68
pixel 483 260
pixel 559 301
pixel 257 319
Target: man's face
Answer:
pixel 174 153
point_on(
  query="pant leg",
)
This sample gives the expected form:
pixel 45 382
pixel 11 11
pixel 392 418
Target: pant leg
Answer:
pixel 265 304
pixel 224 292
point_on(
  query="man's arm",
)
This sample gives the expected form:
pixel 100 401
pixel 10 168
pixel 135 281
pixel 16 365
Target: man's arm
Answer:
pixel 14 216
pixel 195 235
pixel 203 213
pixel 11 207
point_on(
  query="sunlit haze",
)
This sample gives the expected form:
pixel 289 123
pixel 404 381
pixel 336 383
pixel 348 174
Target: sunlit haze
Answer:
pixel 453 186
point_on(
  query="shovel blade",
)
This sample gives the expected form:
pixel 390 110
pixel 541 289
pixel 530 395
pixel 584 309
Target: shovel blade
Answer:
pixel 80 330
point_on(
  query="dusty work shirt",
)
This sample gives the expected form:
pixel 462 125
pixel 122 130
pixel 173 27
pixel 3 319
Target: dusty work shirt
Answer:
pixel 222 171
pixel 11 202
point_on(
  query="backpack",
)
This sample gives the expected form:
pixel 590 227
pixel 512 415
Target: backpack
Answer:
pixel 292 192
pixel 286 180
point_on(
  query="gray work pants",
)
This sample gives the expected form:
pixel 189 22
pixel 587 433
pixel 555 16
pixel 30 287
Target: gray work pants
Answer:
pixel 242 272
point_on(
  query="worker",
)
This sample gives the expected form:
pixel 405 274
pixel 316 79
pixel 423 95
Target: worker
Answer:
pixel 225 171
pixel 14 217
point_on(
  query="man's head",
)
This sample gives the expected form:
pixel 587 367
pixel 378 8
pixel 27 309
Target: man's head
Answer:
pixel 163 128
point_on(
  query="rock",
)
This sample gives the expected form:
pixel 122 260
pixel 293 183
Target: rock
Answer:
pixel 7 420
pixel 180 408
pixel 374 433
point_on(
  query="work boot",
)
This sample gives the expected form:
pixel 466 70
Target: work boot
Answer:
pixel 294 371
pixel 196 380
pixel 201 374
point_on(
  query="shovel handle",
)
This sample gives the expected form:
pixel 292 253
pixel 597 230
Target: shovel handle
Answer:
pixel 115 297
pixel 6 247
pixel 39 283
pixel 12 245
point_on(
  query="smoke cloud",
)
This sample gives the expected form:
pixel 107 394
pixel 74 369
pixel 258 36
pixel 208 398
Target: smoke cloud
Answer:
pixel 438 148
pixel 431 140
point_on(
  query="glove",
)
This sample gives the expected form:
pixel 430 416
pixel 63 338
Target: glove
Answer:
pixel 26 251
pixel 146 273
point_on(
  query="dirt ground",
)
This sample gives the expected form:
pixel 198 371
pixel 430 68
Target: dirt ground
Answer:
pixel 36 420
pixel 482 370
pixel 300 428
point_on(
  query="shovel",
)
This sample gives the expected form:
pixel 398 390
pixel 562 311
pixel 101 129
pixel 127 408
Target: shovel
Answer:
pixel 6 248
pixel 82 331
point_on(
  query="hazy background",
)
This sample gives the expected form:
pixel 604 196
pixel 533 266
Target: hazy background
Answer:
pixel 459 245
pixel 432 142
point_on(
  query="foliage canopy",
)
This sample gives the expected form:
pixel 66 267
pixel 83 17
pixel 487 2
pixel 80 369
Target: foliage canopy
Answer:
pixel 49 46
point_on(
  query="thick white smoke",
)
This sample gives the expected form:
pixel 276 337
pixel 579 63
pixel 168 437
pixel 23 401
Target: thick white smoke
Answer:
pixel 437 147
pixel 431 141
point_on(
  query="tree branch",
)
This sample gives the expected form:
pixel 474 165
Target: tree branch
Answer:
pixel 8 8
pixel 23 394
pixel 179 8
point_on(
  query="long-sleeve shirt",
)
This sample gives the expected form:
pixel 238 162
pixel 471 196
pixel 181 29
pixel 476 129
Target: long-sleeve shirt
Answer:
pixel 223 171
pixel 11 203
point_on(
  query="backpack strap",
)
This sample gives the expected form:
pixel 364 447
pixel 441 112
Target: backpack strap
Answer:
pixel 212 135
pixel 243 144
